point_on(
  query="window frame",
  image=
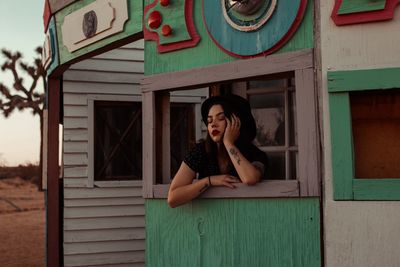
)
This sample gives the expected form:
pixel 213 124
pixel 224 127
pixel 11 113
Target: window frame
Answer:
pixel 340 84
pixel 300 62
pixel 110 98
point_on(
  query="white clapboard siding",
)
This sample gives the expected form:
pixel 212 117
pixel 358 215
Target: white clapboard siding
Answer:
pixel 104 258
pixel 103 224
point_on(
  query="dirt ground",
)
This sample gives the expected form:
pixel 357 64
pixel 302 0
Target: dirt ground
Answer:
pixel 22 224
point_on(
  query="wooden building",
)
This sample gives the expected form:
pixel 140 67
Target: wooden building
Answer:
pixel 126 81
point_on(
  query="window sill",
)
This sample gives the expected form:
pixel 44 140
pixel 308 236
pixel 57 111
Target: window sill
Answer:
pixel 102 184
pixel 262 189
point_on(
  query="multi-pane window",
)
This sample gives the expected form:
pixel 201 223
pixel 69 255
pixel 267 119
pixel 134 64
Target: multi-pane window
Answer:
pixel 117 140
pixel 273 104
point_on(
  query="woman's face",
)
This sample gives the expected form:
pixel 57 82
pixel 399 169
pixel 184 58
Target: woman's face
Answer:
pixel 216 123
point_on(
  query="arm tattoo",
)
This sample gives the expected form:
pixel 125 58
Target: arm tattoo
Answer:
pixel 235 154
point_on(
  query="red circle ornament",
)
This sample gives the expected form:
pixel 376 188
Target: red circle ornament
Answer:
pixel 166 30
pixel 154 20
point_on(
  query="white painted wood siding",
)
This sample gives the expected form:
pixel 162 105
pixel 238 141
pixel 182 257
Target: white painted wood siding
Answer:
pixel 357 233
pixel 103 225
pixel 104 222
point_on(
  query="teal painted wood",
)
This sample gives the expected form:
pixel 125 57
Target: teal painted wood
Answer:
pixel 233 232
pixel 207 53
pixel 376 189
pixel 342 146
pixel 355 6
pixel 131 27
pixel 356 80
pixel 54 48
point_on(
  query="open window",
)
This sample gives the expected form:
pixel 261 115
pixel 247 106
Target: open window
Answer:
pixel 365 130
pixel 281 93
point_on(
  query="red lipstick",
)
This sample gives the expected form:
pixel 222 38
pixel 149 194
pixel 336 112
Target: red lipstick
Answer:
pixel 215 132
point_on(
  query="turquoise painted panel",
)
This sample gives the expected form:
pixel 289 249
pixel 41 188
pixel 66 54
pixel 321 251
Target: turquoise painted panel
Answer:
pixel 207 52
pixel 355 6
pixel 54 48
pixel 361 80
pixel 342 146
pixel 234 232
pixel 131 27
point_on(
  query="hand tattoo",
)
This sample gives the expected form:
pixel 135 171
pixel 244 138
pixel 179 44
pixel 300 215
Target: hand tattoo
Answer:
pixel 235 154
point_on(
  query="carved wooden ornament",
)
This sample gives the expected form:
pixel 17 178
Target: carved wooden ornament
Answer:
pixel 94 22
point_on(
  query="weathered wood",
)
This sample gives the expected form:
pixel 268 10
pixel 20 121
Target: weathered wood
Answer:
pixel 104 235
pixel 72 193
pixel 165 130
pixel 101 88
pixel 370 79
pixel 234 232
pixel 307 133
pixel 262 189
pixel 103 211
pixel 104 258
pixel 103 247
pixel 376 189
pixel 342 154
pixel 75 135
pixel 149 171
pixel 109 65
pixel 75 123
pixel 75 111
pixel 75 171
pixel 94 202
pixel 94 76
pixel 104 223
pixel 53 195
pixel 75 182
pixel 76 159
pixel 75 147
pixel 229 71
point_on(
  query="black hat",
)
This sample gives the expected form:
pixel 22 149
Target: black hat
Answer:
pixel 237 105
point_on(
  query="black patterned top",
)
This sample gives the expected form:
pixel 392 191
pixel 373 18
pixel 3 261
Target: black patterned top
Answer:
pixel 198 160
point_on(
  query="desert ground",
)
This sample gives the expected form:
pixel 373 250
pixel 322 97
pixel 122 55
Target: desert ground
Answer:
pixel 22 224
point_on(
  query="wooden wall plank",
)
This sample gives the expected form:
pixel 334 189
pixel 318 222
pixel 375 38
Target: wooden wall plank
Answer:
pixel 149 157
pixel 123 54
pixel 95 76
pixel 101 88
pixel 104 235
pixel 75 147
pixel 75 159
pixel 230 71
pixel 76 111
pixel 75 123
pixel 109 65
pixel 307 135
pixel 104 258
pixel 104 223
pixel 72 193
pixel 103 247
pixel 75 171
pixel 103 211
pixel 95 202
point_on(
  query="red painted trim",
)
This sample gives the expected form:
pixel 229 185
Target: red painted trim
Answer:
pixel 362 17
pixel 53 193
pixel 279 44
pixel 195 37
pixel 46 15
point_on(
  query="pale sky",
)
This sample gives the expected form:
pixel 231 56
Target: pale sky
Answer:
pixel 21 28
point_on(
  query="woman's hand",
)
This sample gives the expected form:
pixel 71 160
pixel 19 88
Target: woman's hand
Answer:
pixel 232 130
pixel 224 180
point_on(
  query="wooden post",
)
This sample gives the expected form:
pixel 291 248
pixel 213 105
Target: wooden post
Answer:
pixel 53 200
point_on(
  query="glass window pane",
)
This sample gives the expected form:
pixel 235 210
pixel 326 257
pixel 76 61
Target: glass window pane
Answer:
pixel 276 165
pixel 294 160
pixel 268 111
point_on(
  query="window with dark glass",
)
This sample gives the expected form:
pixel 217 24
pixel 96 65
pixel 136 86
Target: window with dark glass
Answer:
pixel 117 140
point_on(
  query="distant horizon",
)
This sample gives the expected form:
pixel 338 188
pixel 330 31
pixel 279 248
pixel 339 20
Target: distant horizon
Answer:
pixel 21 25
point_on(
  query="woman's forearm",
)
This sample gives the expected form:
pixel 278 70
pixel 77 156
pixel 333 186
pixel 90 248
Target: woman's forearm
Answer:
pixel 248 173
pixel 183 194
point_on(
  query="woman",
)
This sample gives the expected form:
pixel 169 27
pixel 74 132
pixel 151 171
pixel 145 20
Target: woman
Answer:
pixel 226 157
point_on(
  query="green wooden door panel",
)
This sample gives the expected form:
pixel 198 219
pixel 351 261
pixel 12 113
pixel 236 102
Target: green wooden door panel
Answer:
pixel 207 53
pixel 233 232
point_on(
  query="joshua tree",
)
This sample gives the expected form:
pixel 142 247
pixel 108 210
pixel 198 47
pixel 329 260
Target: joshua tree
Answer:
pixel 19 96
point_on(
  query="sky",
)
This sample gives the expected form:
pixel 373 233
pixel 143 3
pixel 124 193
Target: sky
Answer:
pixel 21 28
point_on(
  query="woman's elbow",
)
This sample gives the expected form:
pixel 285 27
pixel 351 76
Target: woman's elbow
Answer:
pixel 251 182
pixel 171 202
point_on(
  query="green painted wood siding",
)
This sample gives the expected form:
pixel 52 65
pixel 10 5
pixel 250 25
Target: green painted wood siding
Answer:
pixel 355 6
pixel 233 232
pixel 207 53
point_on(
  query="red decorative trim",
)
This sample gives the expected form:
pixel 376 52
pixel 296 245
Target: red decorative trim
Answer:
pixel 278 45
pixel 195 37
pixel 362 17
pixel 46 15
